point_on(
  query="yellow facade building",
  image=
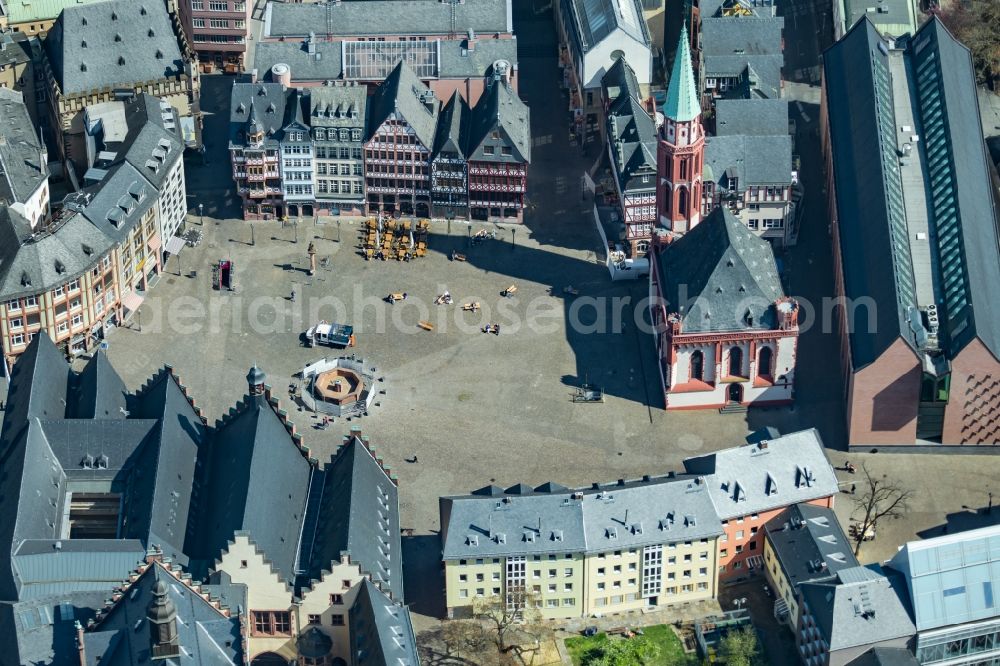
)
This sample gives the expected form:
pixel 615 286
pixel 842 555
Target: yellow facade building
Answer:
pixel 575 553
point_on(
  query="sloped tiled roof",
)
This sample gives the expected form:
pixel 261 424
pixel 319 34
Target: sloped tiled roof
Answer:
pixel 113 44
pixel 759 477
pixel 359 515
pixel 453 125
pixel 258 481
pixel 403 93
pixel 500 108
pixel 717 273
pixel 21 168
pixel 381 628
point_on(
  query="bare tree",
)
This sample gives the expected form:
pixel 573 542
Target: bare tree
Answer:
pixel 880 497
pixel 504 612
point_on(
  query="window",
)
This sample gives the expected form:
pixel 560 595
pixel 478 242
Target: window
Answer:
pixel 567 587
pixel 569 601
pixel 506 151
pixel 552 587
pixel 16 323
pixel 218 6
pixel 336 600
pixel 14 305
pixel 739 534
pixel 17 339
pixel 337 620
pixel 463 594
pixel 480 578
pixel 346 584
pixel 568 572
pixel 198 22
pixel 218 23
pixel 488 150
pixel 314 619
pixel 271 623
pixel 552 573
pixel 463 578
pixel 198 5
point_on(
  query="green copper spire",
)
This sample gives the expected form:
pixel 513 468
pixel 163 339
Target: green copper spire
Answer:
pixel 682 95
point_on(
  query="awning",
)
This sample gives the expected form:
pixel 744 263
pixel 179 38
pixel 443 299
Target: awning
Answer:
pixel 154 242
pixel 132 301
pixel 175 245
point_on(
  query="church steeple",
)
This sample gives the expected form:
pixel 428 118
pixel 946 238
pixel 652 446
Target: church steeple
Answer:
pixel 681 148
pixel 682 92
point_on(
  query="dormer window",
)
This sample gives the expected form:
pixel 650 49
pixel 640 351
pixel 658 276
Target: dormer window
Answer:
pixel 83 44
pixel 118 37
pixel 83 67
pixel 241 109
pixel 151 33
pixel 159 54
pixel 114 16
pixel 121 60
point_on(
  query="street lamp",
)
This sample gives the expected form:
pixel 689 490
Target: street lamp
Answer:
pixel 338 231
pixel 513 233
pixel 295 225
pixel 739 603
pixel 201 213
pixel 253 241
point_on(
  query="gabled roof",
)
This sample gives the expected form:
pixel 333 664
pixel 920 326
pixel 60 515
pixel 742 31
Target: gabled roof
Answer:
pixel 555 519
pixel 809 544
pixel 359 515
pixel 752 160
pixel 101 392
pixel 262 102
pixel 596 20
pixel 20 149
pixel 720 276
pixel 620 81
pixel 403 94
pixel 682 104
pixel 113 44
pixel 759 477
pixel 745 46
pixel 209 636
pixel 632 134
pixel 253 455
pixel 500 109
pixel 332 106
pixel 381 629
pixel 751 117
pixel 861 606
pixel 453 124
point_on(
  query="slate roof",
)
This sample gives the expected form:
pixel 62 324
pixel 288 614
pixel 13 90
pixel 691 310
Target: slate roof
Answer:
pixel 381 629
pixel 263 102
pixel 403 93
pixel 620 81
pixel 359 515
pixel 45 450
pixel 596 20
pixel 453 126
pixel 113 44
pixel 720 276
pixel 386 17
pixel 96 218
pixel 755 478
pixel 752 117
pixel 553 519
pixel 681 103
pixel 886 656
pixel 325 101
pixel 252 455
pixel 861 606
pixel 753 160
pixel 17 48
pixel 809 544
pixel 500 108
pixel 455 61
pixel 952 579
pixel 101 392
pixel 122 636
pixel 736 46
pixel 876 261
pixel 22 170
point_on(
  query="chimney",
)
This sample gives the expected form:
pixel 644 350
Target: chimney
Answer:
pixel 255 380
pixel 470 41
pixel 162 615
pixel 311 44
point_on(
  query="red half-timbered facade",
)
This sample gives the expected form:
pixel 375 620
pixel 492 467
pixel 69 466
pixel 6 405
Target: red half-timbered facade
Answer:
pixel 498 150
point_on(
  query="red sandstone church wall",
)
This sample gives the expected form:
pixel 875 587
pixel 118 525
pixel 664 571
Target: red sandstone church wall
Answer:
pixel 883 399
pixel 973 412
